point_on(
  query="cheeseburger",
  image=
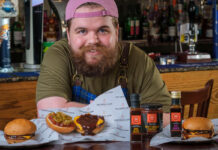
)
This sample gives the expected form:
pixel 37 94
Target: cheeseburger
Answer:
pixel 197 127
pixel 19 130
pixel 89 124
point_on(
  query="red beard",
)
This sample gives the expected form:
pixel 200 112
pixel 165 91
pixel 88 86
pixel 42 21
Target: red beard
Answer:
pixel 105 64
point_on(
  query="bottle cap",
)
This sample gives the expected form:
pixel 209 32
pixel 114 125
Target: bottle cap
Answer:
pixel 176 94
pixel 134 99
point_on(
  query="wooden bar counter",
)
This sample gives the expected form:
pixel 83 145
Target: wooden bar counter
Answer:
pixel 17 91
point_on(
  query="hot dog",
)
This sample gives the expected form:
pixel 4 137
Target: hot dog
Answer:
pixel 60 122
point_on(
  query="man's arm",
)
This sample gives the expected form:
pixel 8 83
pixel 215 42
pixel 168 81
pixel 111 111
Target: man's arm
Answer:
pixel 56 102
pixel 166 119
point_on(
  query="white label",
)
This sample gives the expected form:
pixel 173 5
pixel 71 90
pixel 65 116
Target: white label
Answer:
pixel 172 31
pixel 17 37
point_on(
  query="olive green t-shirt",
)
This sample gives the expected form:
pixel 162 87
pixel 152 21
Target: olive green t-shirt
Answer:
pixel 143 77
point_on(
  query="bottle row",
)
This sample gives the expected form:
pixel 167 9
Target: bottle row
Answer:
pixel 147 120
pixel 160 20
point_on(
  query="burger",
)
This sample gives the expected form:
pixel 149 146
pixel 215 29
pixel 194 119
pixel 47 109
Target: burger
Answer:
pixel 197 127
pixel 60 122
pixel 89 124
pixel 19 130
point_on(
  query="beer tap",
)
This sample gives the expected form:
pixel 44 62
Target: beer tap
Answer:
pixel 192 31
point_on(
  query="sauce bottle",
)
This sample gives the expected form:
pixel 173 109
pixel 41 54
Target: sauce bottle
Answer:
pixel 176 114
pixel 135 118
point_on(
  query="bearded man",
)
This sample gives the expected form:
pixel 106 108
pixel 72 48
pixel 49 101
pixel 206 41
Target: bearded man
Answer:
pixel 92 60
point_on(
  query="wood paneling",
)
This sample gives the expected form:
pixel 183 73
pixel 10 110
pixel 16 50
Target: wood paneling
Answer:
pixel 17 100
pixel 194 80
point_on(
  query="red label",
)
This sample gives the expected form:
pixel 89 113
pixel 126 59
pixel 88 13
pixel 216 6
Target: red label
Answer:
pixel 152 118
pixel 175 117
pixel 136 120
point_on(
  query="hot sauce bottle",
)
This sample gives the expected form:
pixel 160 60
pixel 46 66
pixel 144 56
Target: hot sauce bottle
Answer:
pixel 135 118
pixel 176 114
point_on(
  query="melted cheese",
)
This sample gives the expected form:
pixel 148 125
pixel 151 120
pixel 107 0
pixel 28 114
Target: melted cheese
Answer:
pixel 100 121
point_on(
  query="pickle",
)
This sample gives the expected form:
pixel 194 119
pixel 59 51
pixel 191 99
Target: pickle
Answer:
pixel 62 117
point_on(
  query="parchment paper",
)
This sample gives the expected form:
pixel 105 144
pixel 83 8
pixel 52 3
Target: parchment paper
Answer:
pixel 111 104
pixel 164 136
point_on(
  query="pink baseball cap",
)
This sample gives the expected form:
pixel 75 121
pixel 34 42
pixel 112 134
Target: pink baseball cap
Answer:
pixel 110 9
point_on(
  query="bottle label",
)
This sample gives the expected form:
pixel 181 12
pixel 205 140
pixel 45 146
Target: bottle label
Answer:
pixel 175 116
pixel 132 27
pixel 17 37
pixel 137 23
pixel 172 31
pixel 136 120
pixel 152 118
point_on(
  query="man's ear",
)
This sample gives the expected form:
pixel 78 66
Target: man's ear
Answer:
pixel 117 31
pixel 68 35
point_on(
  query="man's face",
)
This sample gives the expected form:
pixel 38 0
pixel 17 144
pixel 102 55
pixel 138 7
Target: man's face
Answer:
pixel 93 42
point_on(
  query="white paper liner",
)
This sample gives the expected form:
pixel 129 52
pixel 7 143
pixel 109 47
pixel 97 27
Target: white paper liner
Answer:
pixel 111 104
pixel 164 136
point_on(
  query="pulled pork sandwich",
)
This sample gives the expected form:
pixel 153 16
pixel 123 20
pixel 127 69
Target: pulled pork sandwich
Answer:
pixel 19 130
pixel 60 122
pixel 89 124
pixel 197 127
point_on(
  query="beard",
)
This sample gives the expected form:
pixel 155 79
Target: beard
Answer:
pixel 103 64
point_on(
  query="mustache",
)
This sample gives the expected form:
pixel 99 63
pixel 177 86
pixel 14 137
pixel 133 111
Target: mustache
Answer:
pixel 93 47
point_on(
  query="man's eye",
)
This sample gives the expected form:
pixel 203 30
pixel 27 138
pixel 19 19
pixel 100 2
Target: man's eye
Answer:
pixel 81 31
pixel 103 31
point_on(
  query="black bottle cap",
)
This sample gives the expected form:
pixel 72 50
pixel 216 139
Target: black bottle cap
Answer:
pixel 176 102
pixel 134 99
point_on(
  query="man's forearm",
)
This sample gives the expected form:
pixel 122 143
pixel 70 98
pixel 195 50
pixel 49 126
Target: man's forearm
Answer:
pixel 166 119
pixel 56 102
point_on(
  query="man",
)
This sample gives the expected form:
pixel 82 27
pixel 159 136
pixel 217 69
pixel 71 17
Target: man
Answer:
pixel 91 61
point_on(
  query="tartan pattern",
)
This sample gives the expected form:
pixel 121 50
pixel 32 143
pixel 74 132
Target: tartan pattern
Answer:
pixel 83 96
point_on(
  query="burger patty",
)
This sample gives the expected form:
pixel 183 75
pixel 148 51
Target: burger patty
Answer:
pixel 197 132
pixel 19 137
pixel 89 122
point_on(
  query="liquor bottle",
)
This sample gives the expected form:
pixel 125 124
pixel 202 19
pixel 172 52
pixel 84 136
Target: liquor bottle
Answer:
pixel 176 114
pixel 180 17
pixel 135 118
pixel 144 25
pixel 171 24
pixel 17 34
pixel 52 29
pixel 155 28
pixel 129 24
pixel 164 21
pixel 136 18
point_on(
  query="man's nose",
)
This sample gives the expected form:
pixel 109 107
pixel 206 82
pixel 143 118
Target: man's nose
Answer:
pixel 93 38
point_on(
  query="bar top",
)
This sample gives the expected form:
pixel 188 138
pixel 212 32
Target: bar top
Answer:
pixel 21 74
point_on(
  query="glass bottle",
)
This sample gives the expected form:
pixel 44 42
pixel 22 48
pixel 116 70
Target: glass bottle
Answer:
pixel 144 25
pixel 135 118
pixel 176 114
pixel 164 21
pixel 129 24
pixel 136 18
pixel 171 24
pixel 17 34
pixel 155 28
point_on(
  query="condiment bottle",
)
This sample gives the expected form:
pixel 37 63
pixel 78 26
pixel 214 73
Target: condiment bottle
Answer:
pixel 135 118
pixel 176 114
pixel 152 119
